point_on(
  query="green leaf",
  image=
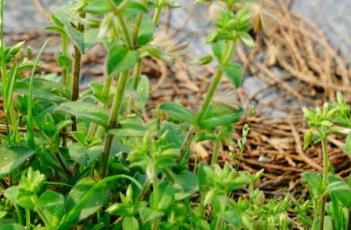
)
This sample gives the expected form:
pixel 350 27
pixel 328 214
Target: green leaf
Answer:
pixel 13 157
pixel 234 73
pixel 217 49
pixel 347 146
pixel 134 7
pixel 224 119
pixel 120 58
pixel 130 223
pixel 232 217
pixel 146 32
pixel 147 214
pixel 314 183
pixel 130 127
pixel 307 139
pixel 177 111
pixel 98 7
pixel 21 198
pixel 166 196
pixel 187 183
pixel 85 40
pixel 53 206
pixel 247 40
pixel 64 60
pixel 143 92
pixel 84 111
pixel 340 189
pixel 85 155
pixel 85 201
pixel 97 199
pixel 11 227
pixel 44 89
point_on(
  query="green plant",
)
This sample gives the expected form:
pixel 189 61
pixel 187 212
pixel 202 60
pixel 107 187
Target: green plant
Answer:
pixel 86 158
pixel 333 118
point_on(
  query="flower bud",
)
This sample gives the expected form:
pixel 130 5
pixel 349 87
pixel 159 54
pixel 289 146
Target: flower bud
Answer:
pixel 308 139
pixel 204 60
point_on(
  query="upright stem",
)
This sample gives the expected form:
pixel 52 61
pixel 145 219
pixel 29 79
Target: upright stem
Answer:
pixel 157 15
pixel 122 23
pixel 205 104
pixel 136 76
pixel 216 79
pixel 156 197
pixel 76 73
pixel 190 135
pixel 325 178
pixel 138 22
pixel 216 149
pixel 117 102
pixel 28 219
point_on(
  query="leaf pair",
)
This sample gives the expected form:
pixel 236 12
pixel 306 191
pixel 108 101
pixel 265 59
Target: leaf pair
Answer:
pixel 214 117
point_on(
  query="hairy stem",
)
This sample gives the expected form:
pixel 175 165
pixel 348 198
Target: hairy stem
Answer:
pixel 190 135
pixel 205 104
pixel 77 56
pixel 117 102
pixel 325 179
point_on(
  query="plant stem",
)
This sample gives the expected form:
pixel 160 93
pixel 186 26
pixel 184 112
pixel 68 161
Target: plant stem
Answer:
pixel 117 102
pixel 216 149
pixel 28 219
pixel 203 109
pixel 77 56
pixel 144 190
pixel 18 214
pixel 156 197
pixel 136 76
pixel 325 178
pixel 186 143
pixel 190 135
pixel 106 90
pixel 218 224
pixel 205 104
pixel 138 22
pixel 157 15
pixel 123 25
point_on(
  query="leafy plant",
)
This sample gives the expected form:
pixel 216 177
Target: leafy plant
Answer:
pixel 86 158
pixel 333 118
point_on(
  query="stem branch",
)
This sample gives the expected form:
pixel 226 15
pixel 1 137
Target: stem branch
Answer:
pixel 117 102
